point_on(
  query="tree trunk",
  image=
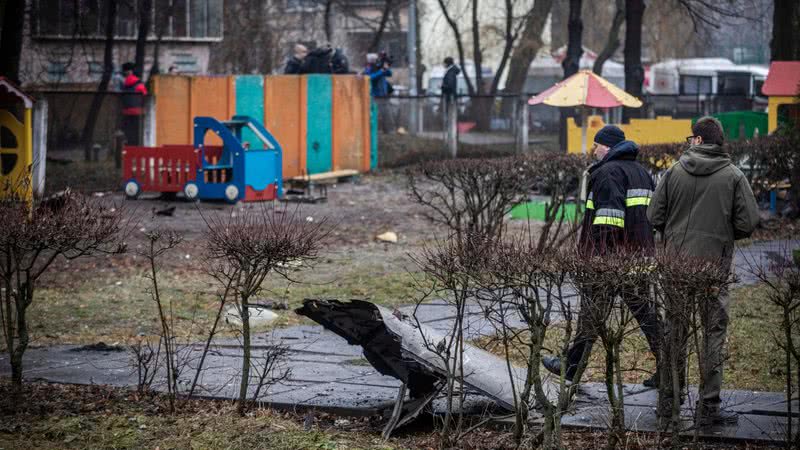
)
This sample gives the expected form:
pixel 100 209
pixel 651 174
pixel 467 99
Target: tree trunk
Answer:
pixel 785 31
pixel 145 9
pixel 634 72
pixel 23 339
pixel 376 38
pixel 326 19
pixel 612 44
pixel 459 44
pixel 108 69
pixel 571 63
pixel 528 47
pixel 245 316
pixel 11 39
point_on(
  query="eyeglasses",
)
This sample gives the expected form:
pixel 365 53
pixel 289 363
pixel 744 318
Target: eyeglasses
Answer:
pixel 689 139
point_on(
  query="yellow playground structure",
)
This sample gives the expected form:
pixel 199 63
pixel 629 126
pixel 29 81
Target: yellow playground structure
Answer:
pixel 16 142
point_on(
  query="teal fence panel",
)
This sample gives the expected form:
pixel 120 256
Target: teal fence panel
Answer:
pixel 319 123
pixel 250 102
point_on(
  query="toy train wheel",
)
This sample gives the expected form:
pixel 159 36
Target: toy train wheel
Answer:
pixel 231 193
pixel 132 190
pixel 191 191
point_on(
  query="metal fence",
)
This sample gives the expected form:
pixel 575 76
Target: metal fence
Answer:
pixel 505 123
pixel 67 115
pixel 462 125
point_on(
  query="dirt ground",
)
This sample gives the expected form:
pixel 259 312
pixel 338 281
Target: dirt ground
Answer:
pixel 100 417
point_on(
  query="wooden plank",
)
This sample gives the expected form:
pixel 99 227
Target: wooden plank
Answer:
pixel 174 124
pixel 326 175
pixel 284 117
pixel 348 122
pixel 250 102
pixel 212 96
pixel 319 123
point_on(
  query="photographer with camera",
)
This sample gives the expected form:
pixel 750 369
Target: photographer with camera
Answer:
pixel 378 70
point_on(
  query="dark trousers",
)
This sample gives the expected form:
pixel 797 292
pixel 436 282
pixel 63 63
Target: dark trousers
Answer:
pixel 637 298
pixel 131 126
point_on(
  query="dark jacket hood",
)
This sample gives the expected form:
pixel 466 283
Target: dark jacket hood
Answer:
pixel 454 68
pixel 624 150
pixel 704 159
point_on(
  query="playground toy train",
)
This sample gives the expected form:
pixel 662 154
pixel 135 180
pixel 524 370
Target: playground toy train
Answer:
pixel 232 172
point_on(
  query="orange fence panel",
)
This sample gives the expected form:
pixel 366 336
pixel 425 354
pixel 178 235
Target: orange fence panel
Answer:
pixel 350 123
pixel 214 97
pixel 173 117
pixel 285 117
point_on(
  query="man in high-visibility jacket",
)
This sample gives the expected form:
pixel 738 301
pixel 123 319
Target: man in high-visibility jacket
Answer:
pixel 133 93
pixel 616 219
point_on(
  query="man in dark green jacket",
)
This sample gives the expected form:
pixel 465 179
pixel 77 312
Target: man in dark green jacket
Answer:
pixel 701 206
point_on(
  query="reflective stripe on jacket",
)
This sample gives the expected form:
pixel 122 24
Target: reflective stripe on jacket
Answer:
pixel 616 207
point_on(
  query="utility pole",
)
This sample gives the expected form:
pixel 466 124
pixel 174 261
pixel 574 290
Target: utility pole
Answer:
pixel 412 65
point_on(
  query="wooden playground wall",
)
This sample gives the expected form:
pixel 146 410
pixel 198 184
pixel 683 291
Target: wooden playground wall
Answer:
pixel 323 122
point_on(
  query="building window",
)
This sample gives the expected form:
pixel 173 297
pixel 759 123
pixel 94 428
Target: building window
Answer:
pixel 95 70
pixel 302 5
pixel 57 71
pixel 172 19
pixel 185 63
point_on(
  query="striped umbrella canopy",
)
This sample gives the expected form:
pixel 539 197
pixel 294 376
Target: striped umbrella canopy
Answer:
pixel 588 90
pixel 585 88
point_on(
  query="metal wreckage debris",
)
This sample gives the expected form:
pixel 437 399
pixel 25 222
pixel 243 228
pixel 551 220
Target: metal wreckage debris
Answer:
pixel 396 345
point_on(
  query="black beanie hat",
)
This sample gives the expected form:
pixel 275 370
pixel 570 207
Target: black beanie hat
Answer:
pixel 128 66
pixel 710 129
pixel 609 135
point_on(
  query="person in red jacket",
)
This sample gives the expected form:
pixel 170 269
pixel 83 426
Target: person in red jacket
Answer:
pixel 133 93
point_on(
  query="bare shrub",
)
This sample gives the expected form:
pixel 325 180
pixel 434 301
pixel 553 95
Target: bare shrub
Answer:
pixel 559 177
pixel 34 235
pixel 521 280
pixel 144 358
pixel 473 196
pixel 246 247
pixel 451 267
pixel 688 290
pixel 160 242
pixel 606 284
pixel 779 273
pixel 468 196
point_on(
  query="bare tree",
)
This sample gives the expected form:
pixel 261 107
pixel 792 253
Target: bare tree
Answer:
pixel 571 63
pixel 102 88
pixel 144 9
pixel 13 22
pixel 530 42
pixel 247 247
pixel 785 44
pixel 612 44
pixel 509 33
pixel 388 5
pixel 33 237
pixel 634 71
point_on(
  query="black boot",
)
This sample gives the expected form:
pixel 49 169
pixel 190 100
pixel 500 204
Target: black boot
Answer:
pixel 717 416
